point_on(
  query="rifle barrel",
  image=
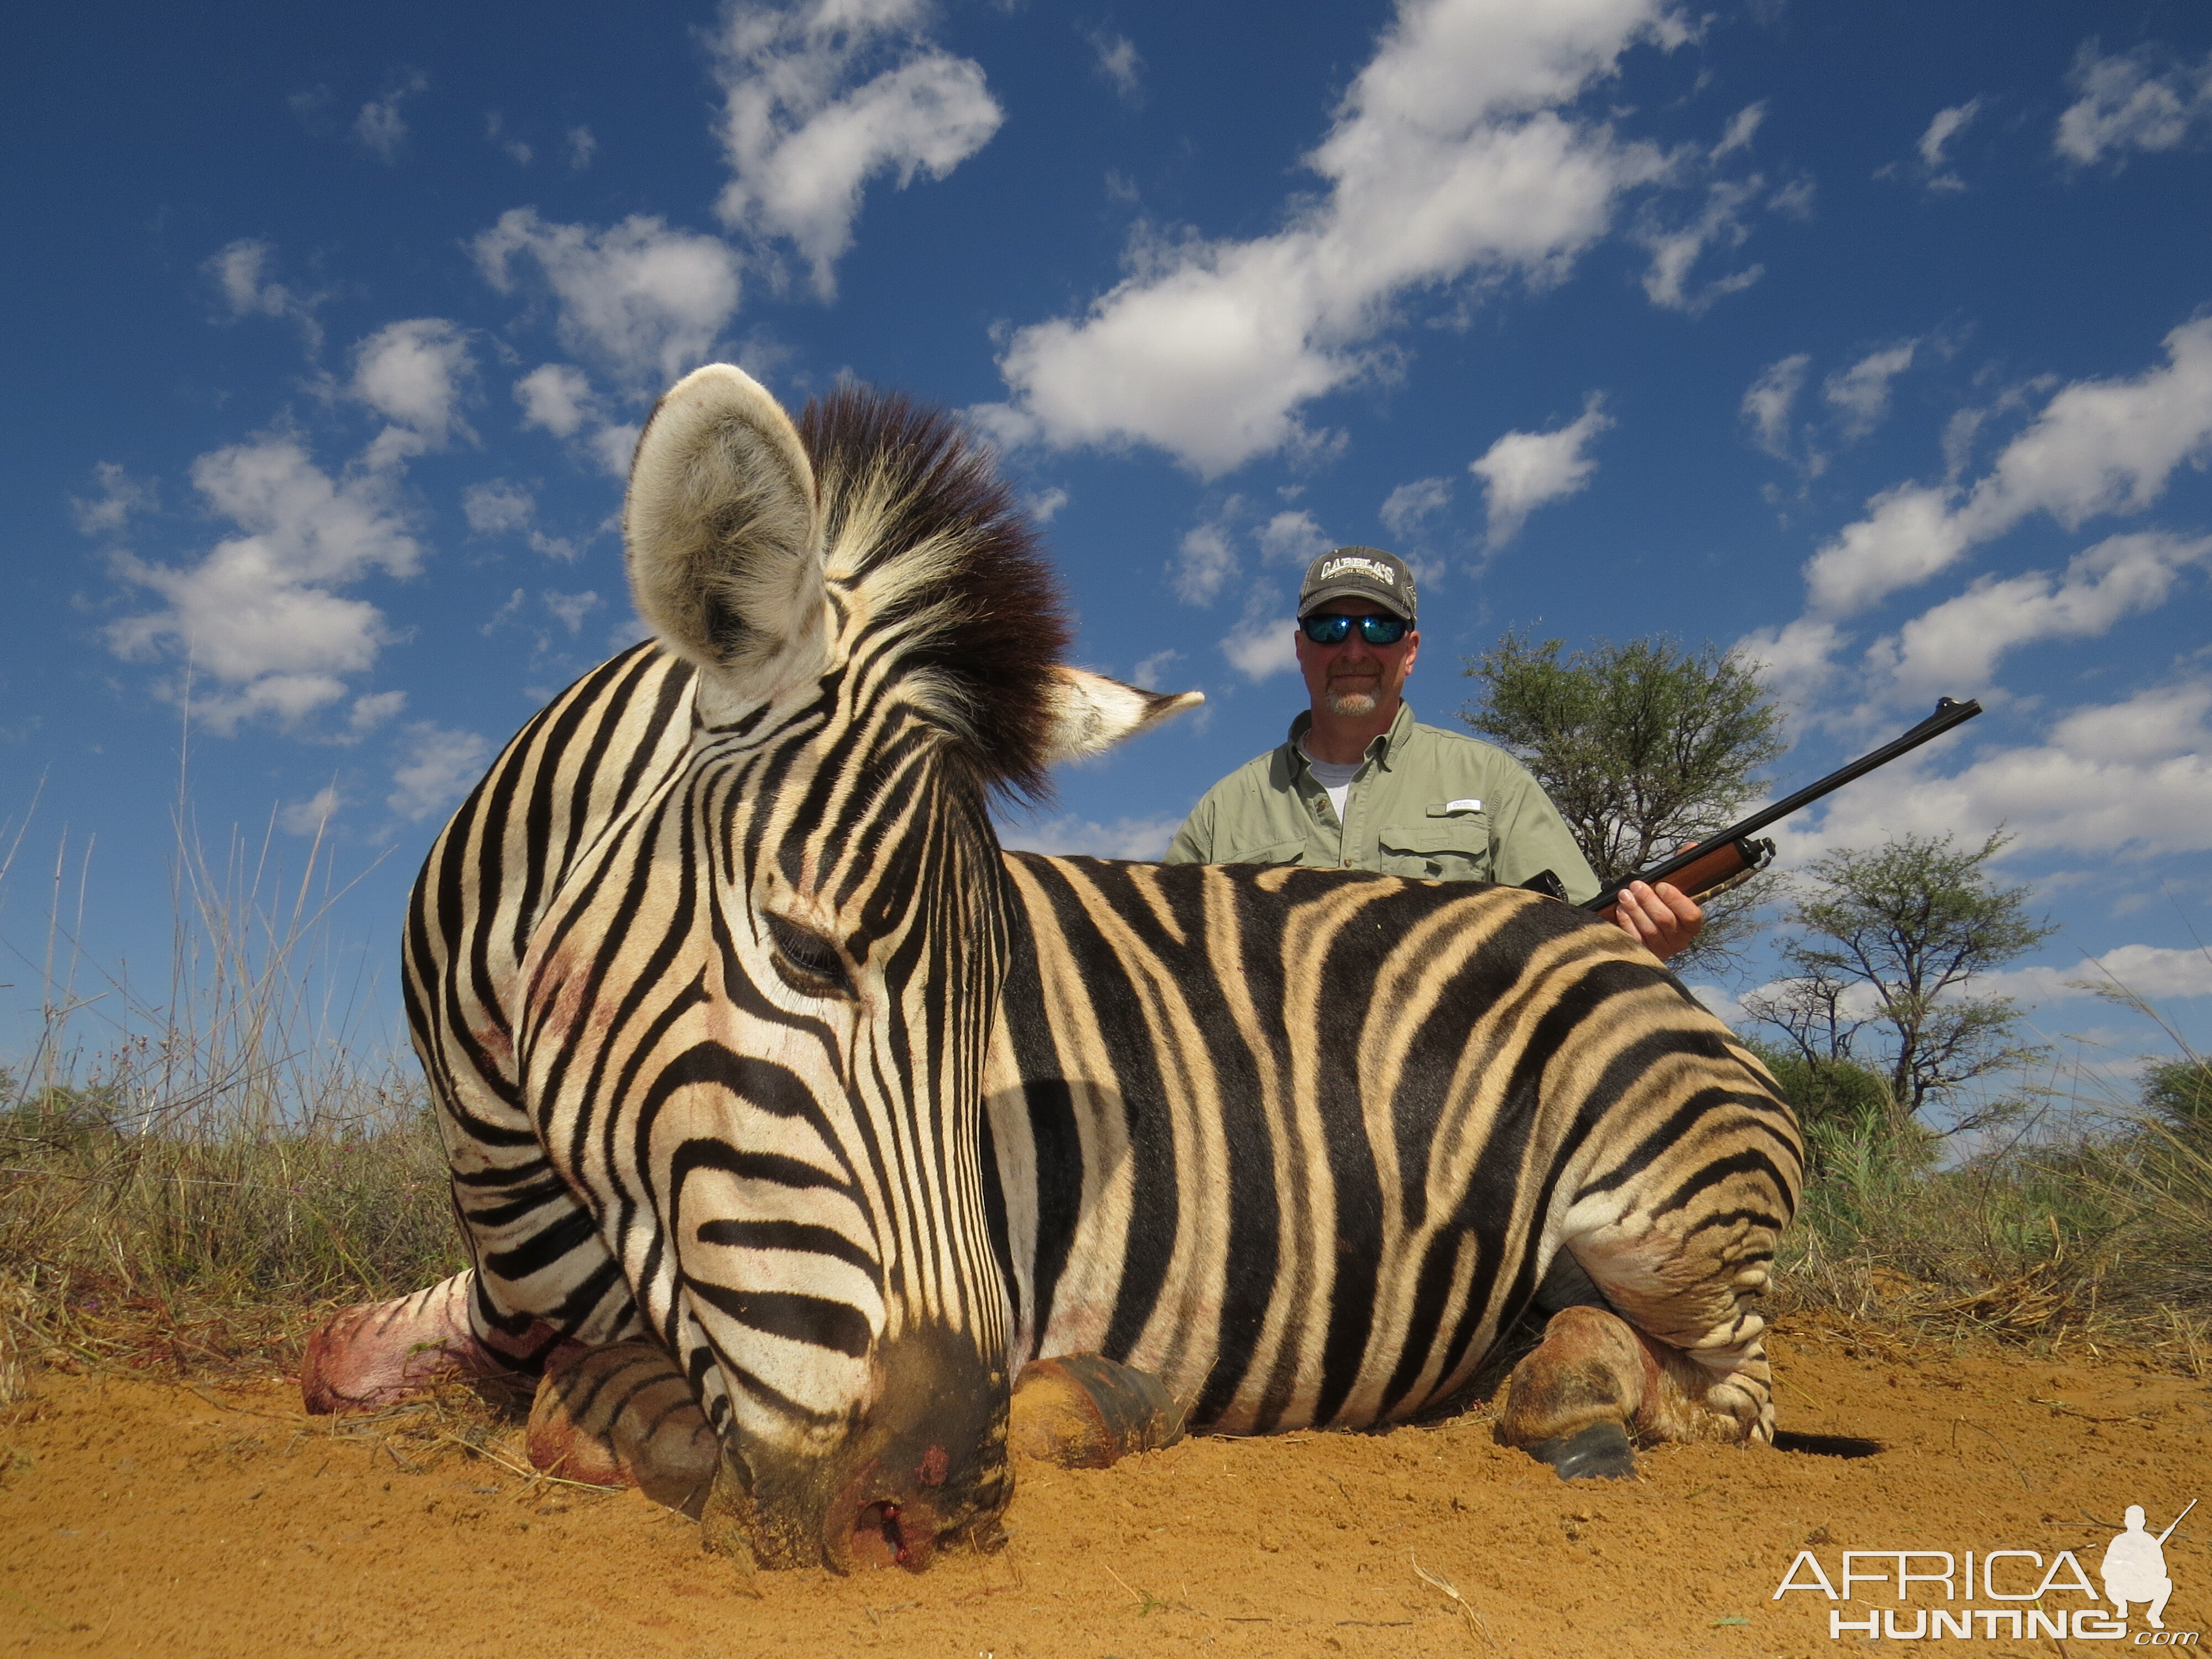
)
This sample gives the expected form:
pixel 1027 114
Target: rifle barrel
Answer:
pixel 1947 715
pixel 2177 1520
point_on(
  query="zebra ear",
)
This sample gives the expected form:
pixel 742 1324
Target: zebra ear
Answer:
pixel 723 529
pixel 1090 714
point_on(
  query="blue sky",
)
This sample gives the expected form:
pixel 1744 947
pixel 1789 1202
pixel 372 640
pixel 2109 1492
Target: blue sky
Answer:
pixel 1877 341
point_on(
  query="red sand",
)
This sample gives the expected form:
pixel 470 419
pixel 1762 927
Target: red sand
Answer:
pixel 149 1517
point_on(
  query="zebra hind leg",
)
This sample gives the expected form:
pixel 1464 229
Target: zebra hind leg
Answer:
pixel 1596 1387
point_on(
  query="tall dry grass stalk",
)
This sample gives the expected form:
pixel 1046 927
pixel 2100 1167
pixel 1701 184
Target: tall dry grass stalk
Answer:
pixel 235 1138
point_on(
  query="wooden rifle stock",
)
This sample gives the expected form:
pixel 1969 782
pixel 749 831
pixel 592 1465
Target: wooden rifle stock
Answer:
pixel 1707 868
pixel 1711 873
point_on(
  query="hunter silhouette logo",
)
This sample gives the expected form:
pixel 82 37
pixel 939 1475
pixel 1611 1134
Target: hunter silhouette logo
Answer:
pixel 2133 1569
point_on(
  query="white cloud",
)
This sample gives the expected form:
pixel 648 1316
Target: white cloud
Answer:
pixel 1152 670
pixel 1722 1004
pixel 569 610
pixel 1946 125
pixel 370 712
pixel 1957 643
pixel 1407 509
pixel 613 446
pixel 2126 103
pixel 1206 559
pixel 1044 507
pixel 412 373
pixel 307 817
pixel 2110 781
pixel 120 496
pixel 260 615
pixel 379 128
pixel 1124 838
pixel 804 131
pixel 1119 63
pixel 582 147
pixel 1676 248
pixel 1860 392
pixel 1522 470
pixel 1262 643
pixel 2098 446
pixel 558 398
pixel 240 273
pixel 1744 123
pixel 496 129
pixel 1449 155
pixel 496 506
pixel 1293 538
pixel 646 300
pixel 438 767
pixel 2151 972
pixel 1768 401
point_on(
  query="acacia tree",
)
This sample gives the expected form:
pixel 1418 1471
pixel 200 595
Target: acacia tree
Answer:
pixel 1643 747
pixel 1881 970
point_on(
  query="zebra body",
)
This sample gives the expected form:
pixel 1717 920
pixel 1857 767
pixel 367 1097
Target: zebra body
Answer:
pixel 1284 1138
pixel 750 1043
pixel 1305 1144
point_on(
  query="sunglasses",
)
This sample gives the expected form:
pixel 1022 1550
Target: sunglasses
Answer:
pixel 1334 628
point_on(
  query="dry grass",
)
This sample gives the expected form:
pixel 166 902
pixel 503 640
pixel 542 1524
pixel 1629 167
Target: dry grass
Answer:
pixel 2102 1238
pixel 190 1175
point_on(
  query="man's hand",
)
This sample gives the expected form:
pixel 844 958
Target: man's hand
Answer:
pixel 1663 920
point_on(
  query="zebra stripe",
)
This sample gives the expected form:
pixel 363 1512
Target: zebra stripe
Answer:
pixel 1305 1144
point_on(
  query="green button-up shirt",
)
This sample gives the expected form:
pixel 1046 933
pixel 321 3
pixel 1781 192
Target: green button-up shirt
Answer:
pixel 1425 803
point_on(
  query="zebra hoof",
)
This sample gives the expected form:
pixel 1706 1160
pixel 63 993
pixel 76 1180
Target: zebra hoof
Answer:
pixel 1600 1452
pixel 1085 1412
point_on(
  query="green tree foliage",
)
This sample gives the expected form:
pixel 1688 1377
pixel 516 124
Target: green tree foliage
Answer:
pixel 1881 967
pixel 1643 747
pixel 2178 1093
pixel 1852 1129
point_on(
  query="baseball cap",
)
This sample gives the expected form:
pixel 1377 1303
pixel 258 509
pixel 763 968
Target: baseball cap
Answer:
pixel 1359 573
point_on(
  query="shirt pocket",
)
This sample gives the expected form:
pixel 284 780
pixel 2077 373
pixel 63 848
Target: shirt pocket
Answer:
pixel 1273 852
pixel 1454 849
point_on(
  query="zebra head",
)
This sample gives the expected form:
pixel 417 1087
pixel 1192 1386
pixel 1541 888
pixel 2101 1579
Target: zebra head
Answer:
pixel 759 1014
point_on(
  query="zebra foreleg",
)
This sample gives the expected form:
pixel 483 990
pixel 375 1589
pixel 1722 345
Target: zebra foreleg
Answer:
pixel 1086 1411
pixel 623 1415
pixel 370 1356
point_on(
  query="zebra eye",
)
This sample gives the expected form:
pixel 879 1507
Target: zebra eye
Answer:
pixel 810 963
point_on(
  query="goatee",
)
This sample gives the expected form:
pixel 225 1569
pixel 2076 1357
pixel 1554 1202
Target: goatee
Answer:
pixel 1349 705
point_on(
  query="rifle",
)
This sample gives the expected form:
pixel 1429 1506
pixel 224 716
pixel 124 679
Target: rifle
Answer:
pixel 1721 861
pixel 2177 1520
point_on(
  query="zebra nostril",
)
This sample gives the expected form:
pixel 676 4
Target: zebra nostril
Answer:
pixel 878 1538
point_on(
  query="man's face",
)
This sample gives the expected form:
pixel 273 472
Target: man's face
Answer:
pixel 1354 679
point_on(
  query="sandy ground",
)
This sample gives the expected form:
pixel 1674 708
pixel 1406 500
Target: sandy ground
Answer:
pixel 144 1517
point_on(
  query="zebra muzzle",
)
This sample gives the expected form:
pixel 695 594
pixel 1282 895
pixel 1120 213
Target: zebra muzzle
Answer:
pixel 923 1466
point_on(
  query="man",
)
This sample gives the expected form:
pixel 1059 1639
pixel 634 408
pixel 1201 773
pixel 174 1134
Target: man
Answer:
pixel 1361 785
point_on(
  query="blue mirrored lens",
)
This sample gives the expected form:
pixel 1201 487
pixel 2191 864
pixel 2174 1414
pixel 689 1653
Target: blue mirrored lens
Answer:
pixel 1330 628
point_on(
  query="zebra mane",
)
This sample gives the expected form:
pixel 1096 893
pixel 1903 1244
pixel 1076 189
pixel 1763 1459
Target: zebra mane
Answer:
pixel 926 544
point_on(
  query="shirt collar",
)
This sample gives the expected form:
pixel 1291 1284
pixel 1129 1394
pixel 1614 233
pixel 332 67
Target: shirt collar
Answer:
pixel 1383 750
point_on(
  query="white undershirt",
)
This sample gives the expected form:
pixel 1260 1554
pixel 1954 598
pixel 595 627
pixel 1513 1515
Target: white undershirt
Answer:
pixel 1336 780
